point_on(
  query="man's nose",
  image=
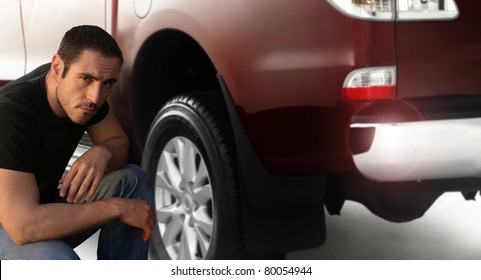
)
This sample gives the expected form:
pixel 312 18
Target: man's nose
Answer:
pixel 93 95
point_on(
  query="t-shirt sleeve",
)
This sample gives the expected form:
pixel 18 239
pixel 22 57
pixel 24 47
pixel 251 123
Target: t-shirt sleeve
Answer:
pixel 17 144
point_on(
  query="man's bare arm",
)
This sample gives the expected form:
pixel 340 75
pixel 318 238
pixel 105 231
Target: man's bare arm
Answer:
pixel 26 220
pixel 110 152
pixel 110 135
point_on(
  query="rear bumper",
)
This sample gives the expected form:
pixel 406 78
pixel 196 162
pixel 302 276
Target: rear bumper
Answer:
pixel 422 150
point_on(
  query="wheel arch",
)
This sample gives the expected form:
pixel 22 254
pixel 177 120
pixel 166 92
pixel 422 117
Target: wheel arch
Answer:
pixel 168 63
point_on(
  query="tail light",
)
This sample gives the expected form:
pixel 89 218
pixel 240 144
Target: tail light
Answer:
pixel 427 10
pixel 366 9
pixel 400 10
pixel 370 84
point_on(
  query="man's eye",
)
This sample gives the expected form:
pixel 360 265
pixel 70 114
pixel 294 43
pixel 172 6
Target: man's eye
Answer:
pixel 109 84
pixel 86 79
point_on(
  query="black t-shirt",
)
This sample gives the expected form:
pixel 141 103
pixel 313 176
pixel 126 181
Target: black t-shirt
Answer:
pixel 32 138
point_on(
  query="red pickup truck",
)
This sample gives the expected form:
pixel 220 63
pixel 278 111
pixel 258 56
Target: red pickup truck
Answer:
pixel 253 117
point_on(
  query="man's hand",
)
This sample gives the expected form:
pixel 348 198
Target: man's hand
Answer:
pixel 136 213
pixel 85 174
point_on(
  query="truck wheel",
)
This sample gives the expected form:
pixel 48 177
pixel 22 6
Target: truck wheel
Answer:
pixel 190 157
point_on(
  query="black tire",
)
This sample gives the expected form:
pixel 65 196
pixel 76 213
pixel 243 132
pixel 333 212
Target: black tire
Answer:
pixel 199 122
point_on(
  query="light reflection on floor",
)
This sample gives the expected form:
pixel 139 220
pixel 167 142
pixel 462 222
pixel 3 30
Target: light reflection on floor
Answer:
pixel 451 229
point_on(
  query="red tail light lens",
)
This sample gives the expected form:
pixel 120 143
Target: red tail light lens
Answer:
pixel 369 93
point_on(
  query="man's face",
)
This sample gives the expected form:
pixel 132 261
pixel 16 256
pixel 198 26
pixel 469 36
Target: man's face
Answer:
pixel 86 86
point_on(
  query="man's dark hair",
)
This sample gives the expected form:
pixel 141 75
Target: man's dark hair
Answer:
pixel 87 37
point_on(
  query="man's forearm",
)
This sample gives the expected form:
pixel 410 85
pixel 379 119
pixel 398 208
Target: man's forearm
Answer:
pixel 116 150
pixel 59 220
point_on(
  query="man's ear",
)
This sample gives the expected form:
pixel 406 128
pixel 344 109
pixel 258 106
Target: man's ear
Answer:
pixel 57 67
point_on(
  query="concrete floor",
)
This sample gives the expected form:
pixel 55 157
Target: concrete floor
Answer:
pixel 451 229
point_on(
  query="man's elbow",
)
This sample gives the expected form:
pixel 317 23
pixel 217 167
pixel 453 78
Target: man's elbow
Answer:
pixel 19 234
pixel 19 240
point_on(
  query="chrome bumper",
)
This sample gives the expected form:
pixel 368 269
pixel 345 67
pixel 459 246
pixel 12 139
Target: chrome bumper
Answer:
pixel 422 150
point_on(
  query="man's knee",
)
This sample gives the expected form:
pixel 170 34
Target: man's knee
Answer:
pixel 135 174
pixel 133 182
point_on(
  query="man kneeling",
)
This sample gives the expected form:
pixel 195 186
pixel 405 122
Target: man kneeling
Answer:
pixel 43 116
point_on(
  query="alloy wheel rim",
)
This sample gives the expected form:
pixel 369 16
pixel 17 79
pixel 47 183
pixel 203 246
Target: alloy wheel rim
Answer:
pixel 184 200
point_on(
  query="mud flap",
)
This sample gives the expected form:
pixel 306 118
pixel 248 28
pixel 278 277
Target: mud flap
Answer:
pixel 280 213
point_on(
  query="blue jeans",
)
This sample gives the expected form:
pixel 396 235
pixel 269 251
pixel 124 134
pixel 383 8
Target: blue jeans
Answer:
pixel 116 240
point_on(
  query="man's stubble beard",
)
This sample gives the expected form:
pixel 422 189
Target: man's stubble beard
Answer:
pixel 58 94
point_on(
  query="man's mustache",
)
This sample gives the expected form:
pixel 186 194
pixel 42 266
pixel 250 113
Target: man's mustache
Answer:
pixel 90 106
